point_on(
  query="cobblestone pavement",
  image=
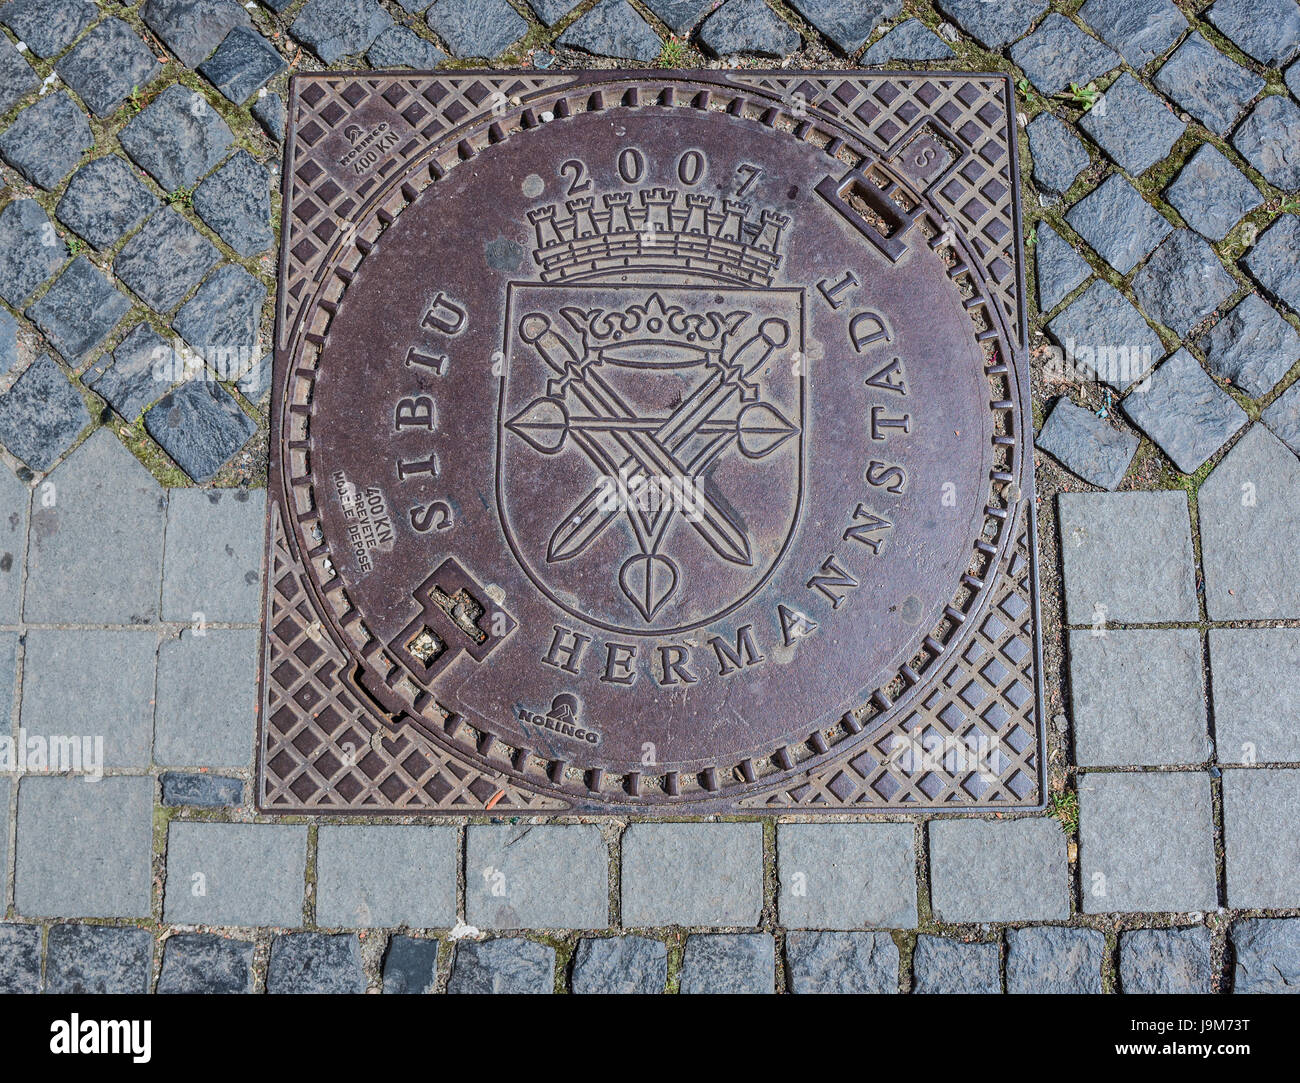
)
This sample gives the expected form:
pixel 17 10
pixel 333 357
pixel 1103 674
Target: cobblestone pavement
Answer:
pixel 1161 167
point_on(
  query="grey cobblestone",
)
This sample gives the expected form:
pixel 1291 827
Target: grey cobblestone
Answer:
pixel 729 963
pixel 200 426
pixel 1183 282
pixel 176 138
pixel 1058 54
pixel 165 260
pixel 1272 260
pixel 476 27
pixel 47 26
pixel 502 965
pixel 844 876
pixel 249 874
pixel 235 202
pixel 98 959
pixel 1269 139
pixel 8 342
pixel 1136 129
pixel 1283 417
pixel 107 505
pixel 126 379
pixel 1139 30
pixel 206 963
pixel 1013 870
pixel 1185 412
pixel 692 874
pixel 1054 959
pixel 398 47
pixel 370 876
pixel 207 698
pixel 1211 194
pixel 1207 84
pixel 1268 30
pixel 20 953
pixel 47 140
pixel 620 964
pixel 678 15
pixel 1252 346
pixel 243 63
pixel 222 320
pixel 847 25
pixel 1058 155
pixel 410 965
pixel 1260 837
pixel 269 111
pixel 1249 545
pixel 993 25
pixel 541 877
pixel 1116 200
pixel 1165 961
pixel 41 415
pixel 201 791
pixel 17 79
pixel 192 29
pixel 315 963
pixel 1138 698
pixel 1060 268
pixel 214 555
pixel 80 310
pixel 104 200
pixel 612 28
pixel 107 65
pixel 30 250
pixel 940 965
pixel 1087 445
pixel 841 962
pixel 1146 843
pixel 1268 955
pixel 909 40
pixel 549 11
pixel 1254 694
pixel 93 682
pixel 748 26
pixel 1127 557
pixel 84 848
pixel 1100 323
pixel 333 29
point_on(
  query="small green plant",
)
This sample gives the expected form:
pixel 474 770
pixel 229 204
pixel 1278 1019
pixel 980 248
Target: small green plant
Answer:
pixel 76 246
pixel 673 54
pixel 1027 92
pixel 135 102
pixel 1083 97
pixel 183 196
pixel 1290 205
pixel 1065 807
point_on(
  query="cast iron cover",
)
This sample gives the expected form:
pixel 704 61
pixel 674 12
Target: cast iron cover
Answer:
pixel 650 442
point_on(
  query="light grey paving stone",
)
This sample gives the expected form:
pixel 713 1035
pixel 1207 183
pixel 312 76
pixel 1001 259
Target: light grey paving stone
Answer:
pixel 841 962
pixel 46 26
pixel 410 965
pixel 1250 539
pixel 1138 698
pixel 235 201
pixel 729 963
pixel 17 79
pixel 1260 837
pixel 333 29
pixel 1272 260
pixel 1253 678
pixel 847 24
pixel 6 791
pixel 106 504
pixel 476 27
pixel 134 374
pixel 1135 128
pixel 104 199
pixel 502 965
pixel 1054 959
pixel 940 965
pixel 165 260
pixel 1105 338
pixel 200 425
pixel 1212 194
pixel 315 963
pixel 1060 268
pixel 243 63
pixel 20 954
pixel 192 29
pixel 612 28
pixel 1183 282
pixel 84 848
pixel 1252 346
pixel 107 65
pixel 1058 54
pixel 30 250
pixel 1283 417
pixel 1267 951
pixel 8 675
pixel 1010 870
pixel 41 415
pixel 1087 445
pixel 1207 84
pixel 207 698
pixel 844 876
pixel 1165 961
pixel 46 141
pixel 1268 30
pixel 1269 139
pixel 1184 411
pixel 1127 557
pixel 176 138
pixel 90 691
pixel 620 964
pixel 748 26
pixel 79 311
pixel 993 25
pixel 98 959
pixel 692 874
pixel 373 876
pixel 200 790
pixel 206 963
pixel 1058 155
pixel 1116 200
pixel 213 557
pixel 235 874
pixel 1146 843
pixel 398 47
pixel 15 507
pixel 536 877
pixel 909 40
pixel 1140 30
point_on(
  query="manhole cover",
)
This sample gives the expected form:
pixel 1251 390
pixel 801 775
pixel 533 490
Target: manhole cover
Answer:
pixel 650 442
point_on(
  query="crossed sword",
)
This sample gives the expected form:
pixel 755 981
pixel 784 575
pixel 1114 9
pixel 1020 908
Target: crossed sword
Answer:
pixel 649 450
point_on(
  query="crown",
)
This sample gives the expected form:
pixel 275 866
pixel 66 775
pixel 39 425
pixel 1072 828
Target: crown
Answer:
pixel 665 234
pixel 652 323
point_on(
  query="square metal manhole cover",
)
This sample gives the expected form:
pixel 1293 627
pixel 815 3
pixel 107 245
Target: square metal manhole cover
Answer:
pixel 650 442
